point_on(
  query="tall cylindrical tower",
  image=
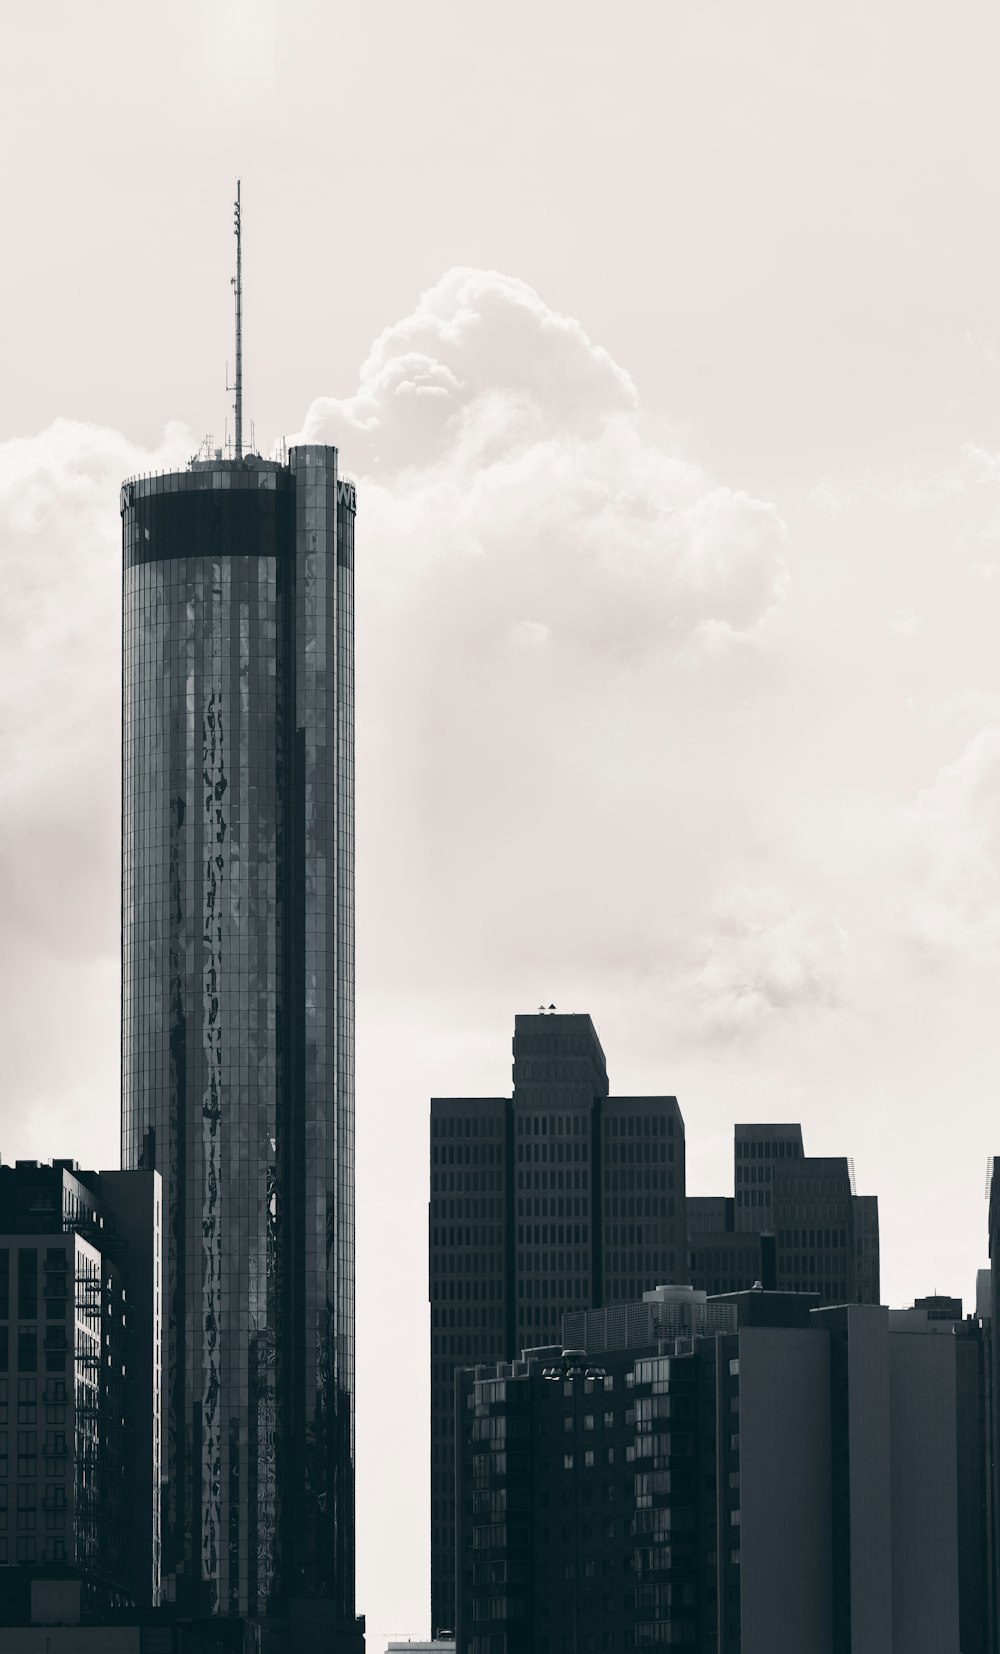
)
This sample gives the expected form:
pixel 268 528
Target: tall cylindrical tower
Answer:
pixel 238 1010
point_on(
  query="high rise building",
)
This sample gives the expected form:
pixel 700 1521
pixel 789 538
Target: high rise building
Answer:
pixel 80 1414
pixel 238 1014
pixel 802 1479
pixel 561 1198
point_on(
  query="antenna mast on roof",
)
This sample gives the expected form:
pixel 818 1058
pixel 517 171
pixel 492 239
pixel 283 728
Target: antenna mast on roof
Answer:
pixel 237 283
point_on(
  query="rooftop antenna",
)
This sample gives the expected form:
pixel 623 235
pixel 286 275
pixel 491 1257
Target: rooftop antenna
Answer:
pixel 237 284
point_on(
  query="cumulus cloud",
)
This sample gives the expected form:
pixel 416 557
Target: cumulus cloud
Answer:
pixel 504 453
pixel 540 569
pixel 481 346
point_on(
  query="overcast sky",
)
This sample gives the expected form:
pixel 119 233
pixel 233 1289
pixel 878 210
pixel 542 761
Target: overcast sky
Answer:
pixel 663 344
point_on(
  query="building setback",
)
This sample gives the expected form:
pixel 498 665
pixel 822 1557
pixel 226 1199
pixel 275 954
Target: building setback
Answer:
pixel 238 1014
pixel 560 1198
pixel 80 1414
pixel 805 1479
pixel 794 1224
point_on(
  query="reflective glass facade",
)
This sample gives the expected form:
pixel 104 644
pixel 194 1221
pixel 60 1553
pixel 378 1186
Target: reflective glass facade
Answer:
pixel 238 1010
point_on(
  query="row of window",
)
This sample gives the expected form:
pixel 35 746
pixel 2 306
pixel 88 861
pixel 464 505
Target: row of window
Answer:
pixel 553 1125
pixel 554 1180
pixel 454 1238
pixel 491 1126
pixel 465 1154
pixel 799 1239
pixel 768 1149
pixel 560 1291
pixel 560 1234
pixel 530 1151
pixel 477 1125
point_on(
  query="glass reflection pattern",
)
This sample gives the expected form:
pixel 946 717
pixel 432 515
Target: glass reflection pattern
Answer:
pixel 238 1009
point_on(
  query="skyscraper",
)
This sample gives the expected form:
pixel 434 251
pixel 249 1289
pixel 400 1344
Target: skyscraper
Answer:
pixel 560 1198
pixel 238 1014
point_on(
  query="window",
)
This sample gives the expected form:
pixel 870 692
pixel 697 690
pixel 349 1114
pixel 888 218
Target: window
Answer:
pixel 27 1283
pixel 27 1349
pixel 27 1452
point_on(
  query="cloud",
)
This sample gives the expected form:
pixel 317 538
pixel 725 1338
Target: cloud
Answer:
pixel 480 350
pixel 541 574
pixel 60 716
pixel 505 455
pixel 952 846
pixel 764 959
pixel 942 486
pixel 974 467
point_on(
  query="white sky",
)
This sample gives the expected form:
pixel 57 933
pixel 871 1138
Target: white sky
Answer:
pixel 678 566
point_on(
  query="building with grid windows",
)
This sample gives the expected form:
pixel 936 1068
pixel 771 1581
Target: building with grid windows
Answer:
pixel 238 1016
pixel 799 1479
pixel 558 1199
pixel 80 1424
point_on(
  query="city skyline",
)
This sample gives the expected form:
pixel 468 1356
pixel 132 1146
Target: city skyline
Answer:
pixel 679 699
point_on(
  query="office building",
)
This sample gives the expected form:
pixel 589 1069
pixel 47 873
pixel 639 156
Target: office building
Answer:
pixel 238 1014
pixel 80 1424
pixel 560 1198
pixel 794 1224
pixel 807 1478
